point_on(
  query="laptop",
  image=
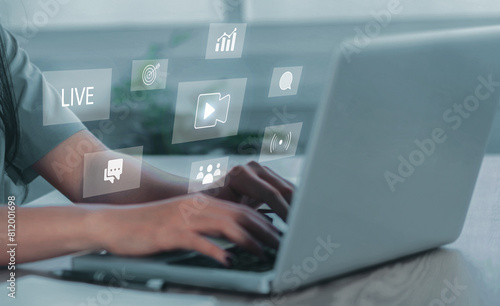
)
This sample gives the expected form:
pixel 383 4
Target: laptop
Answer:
pixel 389 170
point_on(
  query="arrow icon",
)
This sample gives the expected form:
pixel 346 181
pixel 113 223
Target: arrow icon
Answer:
pixel 209 110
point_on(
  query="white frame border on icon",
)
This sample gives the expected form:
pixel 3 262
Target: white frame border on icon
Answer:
pixel 198 105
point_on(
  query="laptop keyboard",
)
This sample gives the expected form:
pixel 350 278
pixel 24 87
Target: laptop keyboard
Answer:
pixel 243 260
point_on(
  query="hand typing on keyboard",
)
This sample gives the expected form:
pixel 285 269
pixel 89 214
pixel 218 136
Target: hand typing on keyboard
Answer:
pixel 253 185
pixel 240 260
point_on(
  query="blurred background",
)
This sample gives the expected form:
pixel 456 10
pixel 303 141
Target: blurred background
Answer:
pixel 92 34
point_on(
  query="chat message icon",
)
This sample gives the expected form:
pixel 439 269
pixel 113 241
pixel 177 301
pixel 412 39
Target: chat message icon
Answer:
pixel 114 170
pixel 286 81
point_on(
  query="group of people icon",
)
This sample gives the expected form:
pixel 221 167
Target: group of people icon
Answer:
pixel 208 177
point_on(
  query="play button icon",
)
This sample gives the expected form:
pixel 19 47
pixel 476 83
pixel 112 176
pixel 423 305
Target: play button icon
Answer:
pixel 209 110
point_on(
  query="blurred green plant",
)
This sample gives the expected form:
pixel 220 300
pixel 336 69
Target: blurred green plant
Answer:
pixel 145 118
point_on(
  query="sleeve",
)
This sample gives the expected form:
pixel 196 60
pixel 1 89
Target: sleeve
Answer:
pixel 36 140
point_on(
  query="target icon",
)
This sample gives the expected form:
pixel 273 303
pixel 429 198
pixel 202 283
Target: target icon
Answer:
pixel 149 74
pixel 278 142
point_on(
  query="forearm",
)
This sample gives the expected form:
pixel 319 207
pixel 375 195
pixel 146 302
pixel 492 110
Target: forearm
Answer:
pixel 47 232
pixel 155 185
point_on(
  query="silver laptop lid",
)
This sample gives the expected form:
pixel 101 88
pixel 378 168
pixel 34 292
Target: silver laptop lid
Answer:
pixel 395 153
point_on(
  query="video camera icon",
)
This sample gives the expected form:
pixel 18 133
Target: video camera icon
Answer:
pixel 210 109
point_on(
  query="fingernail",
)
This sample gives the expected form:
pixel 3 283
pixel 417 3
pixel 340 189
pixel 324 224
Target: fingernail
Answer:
pixel 280 232
pixel 268 218
pixel 230 261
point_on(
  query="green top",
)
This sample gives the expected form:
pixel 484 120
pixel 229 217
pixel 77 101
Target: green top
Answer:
pixel 35 140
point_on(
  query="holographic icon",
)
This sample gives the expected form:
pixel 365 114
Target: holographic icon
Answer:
pixel 121 172
pixel 149 74
pixel 114 170
pixel 286 81
pixel 208 174
pixel 226 42
pixel 208 177
pixel 210 109
pixel 280 143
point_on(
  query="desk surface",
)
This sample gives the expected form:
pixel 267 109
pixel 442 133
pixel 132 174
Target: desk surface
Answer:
pixel 472 262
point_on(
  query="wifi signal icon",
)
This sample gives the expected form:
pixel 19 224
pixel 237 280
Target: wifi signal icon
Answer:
pixel 280 143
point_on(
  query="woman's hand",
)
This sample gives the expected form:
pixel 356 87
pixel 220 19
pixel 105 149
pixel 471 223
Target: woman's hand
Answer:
pixel 253 184
pixel 182 223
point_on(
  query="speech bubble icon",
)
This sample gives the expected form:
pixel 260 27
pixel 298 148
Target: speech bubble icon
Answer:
pixel 115 168
pixel 286 81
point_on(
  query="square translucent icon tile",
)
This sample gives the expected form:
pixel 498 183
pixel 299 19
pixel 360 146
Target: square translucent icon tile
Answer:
pixel 76 95
pixel 280 141
pixel 112 171
pixel 208 174
pixel 285 81
pixel 225 40
pixel 208 109
pixel 149 74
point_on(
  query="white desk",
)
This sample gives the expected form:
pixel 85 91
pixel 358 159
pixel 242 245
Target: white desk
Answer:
pixel 473 260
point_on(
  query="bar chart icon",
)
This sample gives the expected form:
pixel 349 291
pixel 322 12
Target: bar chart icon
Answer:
pixel 225 40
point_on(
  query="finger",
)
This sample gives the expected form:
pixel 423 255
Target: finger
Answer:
pixel 257 165
pixel 204 246
pixel 259 228
pixel 240 212
pixel 284 187
pixel 289 183
pixel 250 184
pixel 253 222
pixel 218 226
pixel 250 202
